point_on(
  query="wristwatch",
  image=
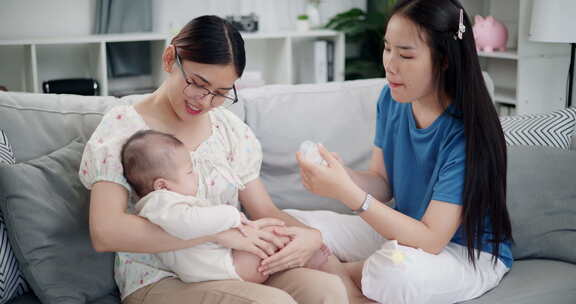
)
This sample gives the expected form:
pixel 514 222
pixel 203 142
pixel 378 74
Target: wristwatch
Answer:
pixel 365 205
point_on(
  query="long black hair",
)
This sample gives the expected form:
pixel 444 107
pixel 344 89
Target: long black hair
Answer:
pixel 459 76
pixel 211 40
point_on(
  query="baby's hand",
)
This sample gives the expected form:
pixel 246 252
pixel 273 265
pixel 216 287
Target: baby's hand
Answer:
pixel 257 224
pixel 244 221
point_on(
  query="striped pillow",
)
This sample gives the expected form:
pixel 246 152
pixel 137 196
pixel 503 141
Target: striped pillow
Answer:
pixel 554 129
pixel 12 283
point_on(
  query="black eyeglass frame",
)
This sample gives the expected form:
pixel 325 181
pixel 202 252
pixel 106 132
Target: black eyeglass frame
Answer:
pixel 206 90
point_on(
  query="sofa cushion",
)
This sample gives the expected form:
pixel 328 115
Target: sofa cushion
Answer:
pixel 44 122
pixel 46 211
pixel 554 129
pixel 534 282
pixel 12 283
pixel 340 115
pixel 40 123
pixel 542 202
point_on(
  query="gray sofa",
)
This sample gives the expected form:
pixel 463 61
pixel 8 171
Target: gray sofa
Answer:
pixel 46 208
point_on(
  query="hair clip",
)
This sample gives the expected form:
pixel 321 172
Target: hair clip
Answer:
pixel 461 26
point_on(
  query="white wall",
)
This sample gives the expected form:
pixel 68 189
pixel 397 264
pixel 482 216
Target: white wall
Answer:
pixel 170 15
pixel 57 18
pixel 41 18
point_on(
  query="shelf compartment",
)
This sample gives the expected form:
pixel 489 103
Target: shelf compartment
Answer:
pixel 511 54
pixel 60 61
pixel 17 68
pixel 292 34
pixel 30 61
pixel 272 57
pixel 145 74
pixel 505 96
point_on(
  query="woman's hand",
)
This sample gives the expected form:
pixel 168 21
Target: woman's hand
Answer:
pixel 304 243
pixel 251 239
pixel 332 181
pixel 257 224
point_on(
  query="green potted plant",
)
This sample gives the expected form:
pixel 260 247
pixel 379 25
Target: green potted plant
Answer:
pixel 302 23
pixel 364 32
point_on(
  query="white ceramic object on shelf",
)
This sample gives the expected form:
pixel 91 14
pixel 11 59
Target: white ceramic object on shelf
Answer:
pixel 313 15
pixel 302 25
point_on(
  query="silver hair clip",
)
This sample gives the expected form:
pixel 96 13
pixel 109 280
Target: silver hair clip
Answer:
pixel 461 26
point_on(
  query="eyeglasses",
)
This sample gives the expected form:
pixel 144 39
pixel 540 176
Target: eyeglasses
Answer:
pixel 194 90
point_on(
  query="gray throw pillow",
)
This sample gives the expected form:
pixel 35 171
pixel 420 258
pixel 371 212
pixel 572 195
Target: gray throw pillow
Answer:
pixel 46 211
pixel 542 202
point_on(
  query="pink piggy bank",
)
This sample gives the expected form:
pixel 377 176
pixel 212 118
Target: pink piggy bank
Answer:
pixel 489 34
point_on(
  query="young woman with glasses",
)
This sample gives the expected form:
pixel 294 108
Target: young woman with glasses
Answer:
pixel 203 62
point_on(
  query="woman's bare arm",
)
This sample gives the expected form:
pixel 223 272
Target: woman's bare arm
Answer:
pixel 113 229
pixel 375 179
pixel 431 233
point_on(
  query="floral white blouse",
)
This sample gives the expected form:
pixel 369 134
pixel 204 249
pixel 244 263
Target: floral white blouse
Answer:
pixel 226 161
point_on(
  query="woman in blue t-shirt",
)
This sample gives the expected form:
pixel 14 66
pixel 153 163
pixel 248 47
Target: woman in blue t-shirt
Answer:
pixel 440 154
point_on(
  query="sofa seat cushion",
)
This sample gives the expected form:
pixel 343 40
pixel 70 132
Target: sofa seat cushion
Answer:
pixel 46 211
pixel 534 282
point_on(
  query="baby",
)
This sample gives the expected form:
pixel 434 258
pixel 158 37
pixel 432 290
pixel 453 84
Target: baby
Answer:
pixel 159 168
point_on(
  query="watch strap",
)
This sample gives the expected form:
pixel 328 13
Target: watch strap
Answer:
pixel 365 204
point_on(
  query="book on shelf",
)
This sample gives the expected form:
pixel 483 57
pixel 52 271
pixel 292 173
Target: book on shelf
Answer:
pixel 316 63
pixel 330 54
pixel 320 61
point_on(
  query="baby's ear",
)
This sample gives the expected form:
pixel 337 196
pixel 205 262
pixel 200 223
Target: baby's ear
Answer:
pixel 160 183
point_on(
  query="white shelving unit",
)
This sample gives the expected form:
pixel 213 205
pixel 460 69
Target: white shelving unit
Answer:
pixel 26 63
pixel 530 76
pixel 278 55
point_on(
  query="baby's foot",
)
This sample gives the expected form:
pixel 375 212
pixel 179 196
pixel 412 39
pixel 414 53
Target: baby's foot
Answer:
pixel 319 258
pixel 361 300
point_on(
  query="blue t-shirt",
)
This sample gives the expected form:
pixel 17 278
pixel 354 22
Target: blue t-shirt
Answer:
pixel 425 164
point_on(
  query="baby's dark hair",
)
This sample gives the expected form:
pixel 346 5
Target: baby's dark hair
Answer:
pixel 146 156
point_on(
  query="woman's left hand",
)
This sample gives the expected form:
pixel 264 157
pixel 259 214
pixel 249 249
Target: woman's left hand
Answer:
pixel 332 181
pixel 304 243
